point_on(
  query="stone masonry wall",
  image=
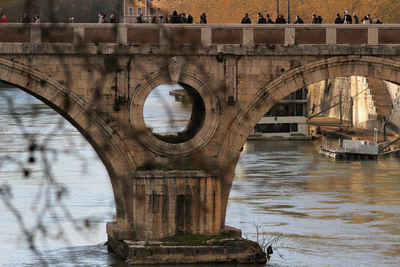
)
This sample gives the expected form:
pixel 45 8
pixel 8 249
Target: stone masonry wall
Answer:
pixel 326 93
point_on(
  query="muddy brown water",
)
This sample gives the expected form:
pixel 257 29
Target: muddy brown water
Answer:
pixel 321 212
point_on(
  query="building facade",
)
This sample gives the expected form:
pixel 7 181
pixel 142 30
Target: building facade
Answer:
pixel 147 8
pixel 287 119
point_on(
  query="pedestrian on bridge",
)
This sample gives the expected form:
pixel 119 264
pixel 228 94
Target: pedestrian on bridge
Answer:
pixel 298 20
pixel 246 19
pixel 355 17
pixel 101 18
pixel 175 18
pixel 25 18
pixel 139 19
pixel 280 19
pixel 314 19
pixel 261 19
pixel 347 18
pixel 3 18
pixel 366 20
pixel 189 19
pixel 112 18
pixel 203 18
pixel 269 20
pixel 36 19
pixel 338 19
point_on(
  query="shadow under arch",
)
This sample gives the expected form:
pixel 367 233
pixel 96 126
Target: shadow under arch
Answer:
pixel 92 127
pixel 291 80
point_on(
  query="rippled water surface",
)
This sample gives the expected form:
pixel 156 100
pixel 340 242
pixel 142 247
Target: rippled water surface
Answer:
pixel 324 213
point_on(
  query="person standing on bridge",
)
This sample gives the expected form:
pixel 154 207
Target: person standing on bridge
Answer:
pixel 314 19
pixel 298 20
pixel 338 19
pixel 280 19
pixel 25 18
pixel 355 17
pixel 101 18
pixel 3 18
pixel 347 18
pixel 139 19
pixel 366 20
pixel 175 18
pixel 203 18
pixel 183 17
pixel 112 18
pixel 261 19
pixel 269 20
pixel 190 19
pixel 246 19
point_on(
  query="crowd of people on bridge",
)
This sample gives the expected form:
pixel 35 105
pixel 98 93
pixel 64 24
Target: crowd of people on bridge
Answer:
pixel 176 18
pixel 315 19
pixel 24 19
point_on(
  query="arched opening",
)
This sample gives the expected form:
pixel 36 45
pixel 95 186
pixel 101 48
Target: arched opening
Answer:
pixel 201 126
pixel 182 112
pixel 292 80
pixel 89 122
pixel 57 185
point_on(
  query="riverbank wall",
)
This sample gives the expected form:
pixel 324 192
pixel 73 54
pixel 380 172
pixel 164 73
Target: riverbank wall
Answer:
pixel 366 104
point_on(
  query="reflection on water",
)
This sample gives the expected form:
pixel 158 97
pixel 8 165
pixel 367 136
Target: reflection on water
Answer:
pixel 327 213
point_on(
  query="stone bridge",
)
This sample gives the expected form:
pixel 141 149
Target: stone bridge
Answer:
pixel 99 76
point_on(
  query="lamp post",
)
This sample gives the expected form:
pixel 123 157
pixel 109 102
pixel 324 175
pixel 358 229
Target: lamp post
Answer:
pixel 277 8
pixel 288 11
pixel 124 8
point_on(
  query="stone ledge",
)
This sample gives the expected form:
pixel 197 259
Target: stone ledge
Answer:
pixel 206 50
pixel 174 174
pixel 117 232
pixel 231 231
pixel 232 250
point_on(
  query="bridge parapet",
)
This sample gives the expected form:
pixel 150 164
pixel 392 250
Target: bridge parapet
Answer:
pixel 205 35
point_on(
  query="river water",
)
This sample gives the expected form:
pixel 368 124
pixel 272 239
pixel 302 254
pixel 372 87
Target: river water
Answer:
pixel 320 212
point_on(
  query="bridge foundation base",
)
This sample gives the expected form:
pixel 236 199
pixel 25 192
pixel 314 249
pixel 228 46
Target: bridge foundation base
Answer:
pixel 190 249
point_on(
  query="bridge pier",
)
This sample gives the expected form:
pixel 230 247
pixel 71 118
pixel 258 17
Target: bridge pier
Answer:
pixel 166 203
pixel 179 203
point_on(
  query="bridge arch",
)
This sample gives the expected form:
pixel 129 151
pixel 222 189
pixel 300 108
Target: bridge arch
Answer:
pixel 207 118
pixel 290 81
pixel 71 107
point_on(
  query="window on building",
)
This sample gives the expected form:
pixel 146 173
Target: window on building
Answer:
pixel 151 11
pixel 130 12
pixel 299 94
pixel 294 127
pixel 274 127
pixel 299 110
pixel 139 10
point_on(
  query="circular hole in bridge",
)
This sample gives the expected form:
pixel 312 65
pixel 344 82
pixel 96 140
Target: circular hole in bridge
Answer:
pixel 174 113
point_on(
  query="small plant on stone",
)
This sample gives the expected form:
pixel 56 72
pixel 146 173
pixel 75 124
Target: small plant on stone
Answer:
pixel 267 241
